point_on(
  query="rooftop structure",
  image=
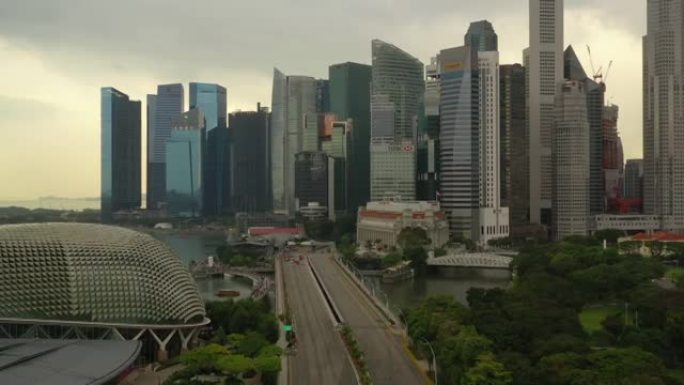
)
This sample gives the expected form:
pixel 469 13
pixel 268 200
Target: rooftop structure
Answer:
pixel 64 362
pixel 75 275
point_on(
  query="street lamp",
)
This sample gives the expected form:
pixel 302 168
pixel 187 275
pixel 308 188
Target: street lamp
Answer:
pixel 434 358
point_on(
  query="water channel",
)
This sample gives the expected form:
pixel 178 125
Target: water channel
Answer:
pixel 192 247
pixel 451 281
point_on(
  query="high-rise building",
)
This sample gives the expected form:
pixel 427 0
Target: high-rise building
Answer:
pixel 663 91
pixel 316 125
pixel 322 95
pixel 315 182
pixel 634 179
pixel 613 162
pixel 515 183
pixel 571 162
pixel 211 100
pixel 396 96
pixel 427 182
pixel 120 164
pixel 595 92
pixel 350 99
pixel 544 72
pixel 470 145
pixel 185 160
pixel 337 144
pixel 161 109
pixel 251 162
pixel 293 98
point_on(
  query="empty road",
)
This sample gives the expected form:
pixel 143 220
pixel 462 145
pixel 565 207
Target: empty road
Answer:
pixel 321 357
pixel 386 357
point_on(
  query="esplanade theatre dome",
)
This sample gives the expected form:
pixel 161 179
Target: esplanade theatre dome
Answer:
pixel 93 273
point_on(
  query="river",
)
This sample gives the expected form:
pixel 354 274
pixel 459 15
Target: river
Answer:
pixel 405 294
pixel 195 247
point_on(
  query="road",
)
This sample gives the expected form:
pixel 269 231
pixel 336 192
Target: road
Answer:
pixel 321 356
pixel 386 357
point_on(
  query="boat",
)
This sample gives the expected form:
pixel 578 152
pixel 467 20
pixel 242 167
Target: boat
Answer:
pixel 397 273
pixel 227 293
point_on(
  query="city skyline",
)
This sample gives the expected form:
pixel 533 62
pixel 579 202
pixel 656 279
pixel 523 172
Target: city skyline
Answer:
pixel 46 68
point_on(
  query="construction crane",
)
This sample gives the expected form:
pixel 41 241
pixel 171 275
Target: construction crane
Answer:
pixel 598 74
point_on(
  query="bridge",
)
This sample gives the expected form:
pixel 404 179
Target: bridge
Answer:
pixel 472 260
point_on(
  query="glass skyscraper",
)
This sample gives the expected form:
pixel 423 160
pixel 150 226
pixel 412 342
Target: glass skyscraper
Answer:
pixel 185 159
pixel 350 99
pixel 211 100
pixel 293 98
pixel 396 95
pixel 251 161
pixel 161 109
pixel 120 163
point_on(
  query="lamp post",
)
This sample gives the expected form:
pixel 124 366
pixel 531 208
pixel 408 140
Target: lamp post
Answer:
pixel 434 358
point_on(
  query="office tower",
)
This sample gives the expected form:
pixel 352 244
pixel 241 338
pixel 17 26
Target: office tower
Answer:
pixel 571 162
pixel 663 92
pixel 544 71
pixel 481 37
pixel 251 161
pixel 211 100
pixel 337 144
pixel 314 182
pixel 613 162
pixel 427 183
pixel 293 98
pixel 634 179
pixel 515 183
pixel 120 153
pixel 322 95
pixel 161 109
pixel 185 160
pixel 595 92
pixel 470 139
pixel 316 124
pixel 350 99
pixel 396 95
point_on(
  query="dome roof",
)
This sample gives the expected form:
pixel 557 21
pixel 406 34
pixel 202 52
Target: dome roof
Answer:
pixel 93 273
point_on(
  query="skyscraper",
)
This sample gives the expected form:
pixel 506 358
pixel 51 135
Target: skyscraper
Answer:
pixel 663 91
pixel 251 164
pixel 185 160
pixel 314 180
pixel 470 137
pixel 211 100
pixel 161 109
pixel 120 164
pixel 396 95
pixel 427 183
pixel 515 183
pixel 571 162
pixel 293 98
pixel 595 92
pixel 350 99
pixel 544 71
pixel 613 162
pixel 634 179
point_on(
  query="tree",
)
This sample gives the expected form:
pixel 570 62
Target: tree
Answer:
pixel 391 259
pixel 488 371
pixel 234 364
pixel 418 257
pixel 251 344
pixel 412 237
pixel 205 357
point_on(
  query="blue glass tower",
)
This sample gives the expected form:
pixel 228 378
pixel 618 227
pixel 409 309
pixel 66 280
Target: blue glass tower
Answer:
pixel 211 100
pixel 185 160
pixel 120 153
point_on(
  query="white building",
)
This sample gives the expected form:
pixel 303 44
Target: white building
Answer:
pixel 571 162
pixel 383 221
pixel 663 91
pixel 544 64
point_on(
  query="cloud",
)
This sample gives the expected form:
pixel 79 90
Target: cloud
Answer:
pixel 59 53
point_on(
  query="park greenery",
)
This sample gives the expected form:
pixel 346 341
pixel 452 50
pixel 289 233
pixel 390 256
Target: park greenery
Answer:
pixel 576 313
pixel 228 255
pixel 242 346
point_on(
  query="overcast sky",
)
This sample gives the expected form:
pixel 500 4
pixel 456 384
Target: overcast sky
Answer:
pixel 56 54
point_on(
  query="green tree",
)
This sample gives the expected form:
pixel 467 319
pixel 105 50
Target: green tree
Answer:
pixel 391 259
pixel 488 371
pixel 412 237
pixel 235 364
pixel 205 357
pixel 251 344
